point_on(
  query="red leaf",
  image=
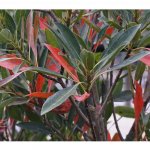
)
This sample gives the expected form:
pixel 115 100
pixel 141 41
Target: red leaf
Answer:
pixel 138 100
pixel 10 61
pixel 56 53
pixel 109 31
pixel 43 22
pixel 40 94
pixel 39 83
pixel 52 65
pixel 146 59
pixel 138 105
pixel 83 97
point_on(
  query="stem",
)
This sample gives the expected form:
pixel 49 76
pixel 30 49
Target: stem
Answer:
pixel 114 115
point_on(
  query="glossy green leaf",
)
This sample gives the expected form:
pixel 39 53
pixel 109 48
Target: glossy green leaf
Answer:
pixel 125 111
pixel 130 60
pixel 68 40
pixel 58 98
pixel 33 126
pixel 88 59
pixel 118 42
pixel 124 96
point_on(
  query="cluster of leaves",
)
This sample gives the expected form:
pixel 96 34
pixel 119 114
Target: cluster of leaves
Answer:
pixel 61 72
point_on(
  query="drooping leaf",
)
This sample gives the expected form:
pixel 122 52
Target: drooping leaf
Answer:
pixel 57 55
pixel 10 61
pixel 58 98
pixel 38 69
pixel 129 61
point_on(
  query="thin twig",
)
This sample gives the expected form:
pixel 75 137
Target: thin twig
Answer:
pixel 113 109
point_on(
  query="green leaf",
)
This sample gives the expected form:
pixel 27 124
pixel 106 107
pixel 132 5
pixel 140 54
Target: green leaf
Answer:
pixel 50 38
pixel 125 111
pixel 118 42
pixel 139 70
pixel 7 101
pixel 58 98
pixel 68 40
pixel 8 21
pixel 129 61
pixel 5 36
pixel 118 87
pixel 37 69
pixel 35 127
pixel 88 59
pixel 124 96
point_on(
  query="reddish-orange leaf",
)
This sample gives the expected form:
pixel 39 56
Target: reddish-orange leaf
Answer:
pixel 116 137
pixel 138 100
pixel 109 31
pixel 40 94
pixel 43 22
pixel 57 55
pixel 39 83
pixel 11 62
pixel 82 97
pixel 138 105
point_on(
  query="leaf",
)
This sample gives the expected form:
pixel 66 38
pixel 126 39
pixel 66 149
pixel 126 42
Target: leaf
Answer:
pixel 5 36
pixel 39 83
pixel 8 21
pixel 125 111
pixel 56 53
pixel 63 108
pixel 35 127
pixel 138 101
pixel 58 98
pixel 43 22
pixel 40 94
pixel 88 59
pixel 82 97
pixel 38 69
pixel 118 42
pixel 50 38
pixel 129 61
pixel 10 61
pixel 146 60
pixel 30 34
pixel 124 96
pixel 140 68
pixel 68 40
